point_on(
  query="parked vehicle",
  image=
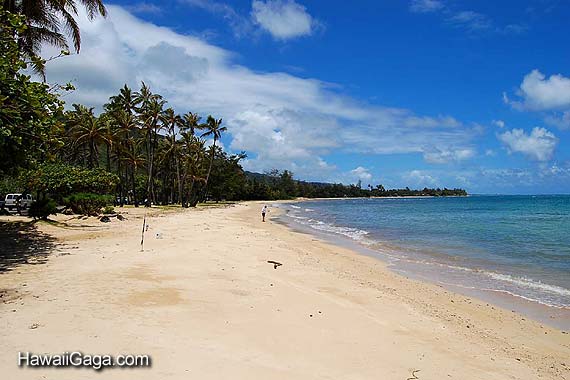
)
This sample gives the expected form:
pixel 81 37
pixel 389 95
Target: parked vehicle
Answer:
pixel 12 201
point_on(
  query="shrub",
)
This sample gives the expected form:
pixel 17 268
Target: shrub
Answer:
pixel 108 210
pixel 42 208
pixel 87 203
pixel 63 180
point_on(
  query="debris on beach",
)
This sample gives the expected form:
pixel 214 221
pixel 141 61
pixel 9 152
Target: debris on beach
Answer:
pixel 275 263
pixel 107 218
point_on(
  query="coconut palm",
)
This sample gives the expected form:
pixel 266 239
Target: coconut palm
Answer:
pixel 49 20
pixel 171 148
pixel 125 100
pixel 192 158
pixel 87 130
pixel 150 111
pixel 191 122
pixel 213 128
pixel 134 159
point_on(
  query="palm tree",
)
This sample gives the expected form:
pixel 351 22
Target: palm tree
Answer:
pixel 125 126
pixel 150 111
pixel 171 150
pixel 191 122
pixel 213 128
pixel 88 131
pixel 192 157
pixel 49 20
pixel 135 160
pixel 126 100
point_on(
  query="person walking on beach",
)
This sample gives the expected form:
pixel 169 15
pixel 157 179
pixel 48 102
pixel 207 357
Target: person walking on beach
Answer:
pixel 264 210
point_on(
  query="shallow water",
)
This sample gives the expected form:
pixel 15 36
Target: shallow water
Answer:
pixel 513 245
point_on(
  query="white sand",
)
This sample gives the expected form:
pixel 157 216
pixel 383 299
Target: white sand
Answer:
pixel 205 304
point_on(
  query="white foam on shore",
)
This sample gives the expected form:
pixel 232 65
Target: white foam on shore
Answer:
pixel 523 287
pixel 352 233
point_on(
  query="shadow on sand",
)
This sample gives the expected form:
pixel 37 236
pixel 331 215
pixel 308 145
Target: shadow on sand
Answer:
pixel 22 243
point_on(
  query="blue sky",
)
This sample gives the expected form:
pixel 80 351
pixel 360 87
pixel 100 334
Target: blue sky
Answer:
pixel 473 94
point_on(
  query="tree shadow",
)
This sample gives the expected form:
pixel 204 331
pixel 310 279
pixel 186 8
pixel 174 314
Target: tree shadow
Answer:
pixel 22 243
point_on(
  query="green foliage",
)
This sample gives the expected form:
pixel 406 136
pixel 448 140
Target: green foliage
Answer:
pixel 87 203
pixel 9 185
pixel 42 208
pixel 29 114
pixel 281 185
pixel 62 179
pixel 108 210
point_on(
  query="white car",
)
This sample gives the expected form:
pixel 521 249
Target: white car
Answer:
pixel 11 201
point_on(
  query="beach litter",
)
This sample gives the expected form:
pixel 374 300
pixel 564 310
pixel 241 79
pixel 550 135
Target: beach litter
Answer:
pixel 414 377
pixel 275 263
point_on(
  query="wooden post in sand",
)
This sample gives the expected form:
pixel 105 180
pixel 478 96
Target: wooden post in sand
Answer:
pixel 142 235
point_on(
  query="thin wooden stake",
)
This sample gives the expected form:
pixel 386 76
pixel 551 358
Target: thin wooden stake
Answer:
pixel 142 236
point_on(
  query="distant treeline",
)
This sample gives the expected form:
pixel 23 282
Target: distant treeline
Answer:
pixel 281 185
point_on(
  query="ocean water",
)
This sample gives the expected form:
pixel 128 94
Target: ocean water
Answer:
pixel 513 245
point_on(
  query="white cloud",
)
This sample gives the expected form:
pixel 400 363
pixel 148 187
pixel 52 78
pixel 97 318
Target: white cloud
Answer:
pixel 144 7
pixel 539 93
pixel 439 156
pixel 283 19
pixel 281 120
pixel 550 96
pixel 470 20
pixel 539 145
pixel 419 178
pixel 425 6
pixel 240 25
pixel 361 173
pixel 561 121
pixel 499 123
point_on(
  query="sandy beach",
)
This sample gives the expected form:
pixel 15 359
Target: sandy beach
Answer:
pixel 204 303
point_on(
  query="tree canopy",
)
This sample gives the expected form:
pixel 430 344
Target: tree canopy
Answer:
pixel 138 150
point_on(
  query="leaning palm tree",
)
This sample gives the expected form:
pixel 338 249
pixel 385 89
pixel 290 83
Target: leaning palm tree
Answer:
pixel 49 20
pixel 214 129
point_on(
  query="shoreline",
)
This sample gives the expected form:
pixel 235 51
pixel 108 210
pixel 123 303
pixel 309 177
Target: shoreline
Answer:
pixel 554 316
pixel 203 301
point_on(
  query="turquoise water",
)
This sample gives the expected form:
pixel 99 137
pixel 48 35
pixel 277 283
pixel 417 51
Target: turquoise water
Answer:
pixel 517 245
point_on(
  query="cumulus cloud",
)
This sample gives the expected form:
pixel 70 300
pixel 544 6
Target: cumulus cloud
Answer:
pixel 549 96
pixel 361 173
pixel 425 6
pixel 281 120
pixel 539 145
pixel 539 93
pixel 283 19
pixel 419 178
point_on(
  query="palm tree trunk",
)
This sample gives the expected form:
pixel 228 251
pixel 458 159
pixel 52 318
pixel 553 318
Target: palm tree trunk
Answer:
pixel 179 180
pixel 135 201
pixel 209 169
pixel 108 157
